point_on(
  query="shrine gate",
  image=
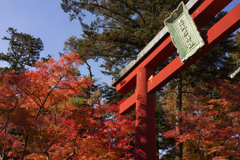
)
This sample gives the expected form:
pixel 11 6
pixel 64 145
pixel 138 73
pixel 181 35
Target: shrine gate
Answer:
pixel 139 72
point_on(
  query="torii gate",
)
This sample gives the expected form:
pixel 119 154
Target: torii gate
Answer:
pixel 139 72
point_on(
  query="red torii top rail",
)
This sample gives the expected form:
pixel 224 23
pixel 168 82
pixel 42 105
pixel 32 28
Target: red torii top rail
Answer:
pixel 140 72
pixel 203 14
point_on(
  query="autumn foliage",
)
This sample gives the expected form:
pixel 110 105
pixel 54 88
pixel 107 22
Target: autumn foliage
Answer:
pixel 39 118
pixel 210 124
pixel 42 117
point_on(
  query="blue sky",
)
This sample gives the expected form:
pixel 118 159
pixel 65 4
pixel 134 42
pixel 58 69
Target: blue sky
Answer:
pixel 46 19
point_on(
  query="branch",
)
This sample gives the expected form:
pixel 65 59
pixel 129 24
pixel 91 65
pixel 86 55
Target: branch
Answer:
pixel 49 94
pixel 9 116
pixel 71 155
pixel 89 69
pixel 135 11
pixel 29 96
pixel 100 6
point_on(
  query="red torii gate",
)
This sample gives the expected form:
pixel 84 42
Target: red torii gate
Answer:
pixel 139 73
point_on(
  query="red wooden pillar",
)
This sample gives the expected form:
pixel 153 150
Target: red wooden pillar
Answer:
pixel 145 134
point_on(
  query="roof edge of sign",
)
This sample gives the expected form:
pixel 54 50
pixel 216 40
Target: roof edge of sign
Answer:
pixel 147 48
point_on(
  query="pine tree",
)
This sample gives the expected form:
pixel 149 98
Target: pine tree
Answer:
pixel 23 50
pixel 121 29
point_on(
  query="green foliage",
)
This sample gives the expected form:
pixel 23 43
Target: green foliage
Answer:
pixel 112 96
pixel 121 29
pixel 23 50
pixel 236 54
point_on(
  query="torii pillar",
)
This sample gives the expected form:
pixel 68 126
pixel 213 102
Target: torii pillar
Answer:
pixel 145 139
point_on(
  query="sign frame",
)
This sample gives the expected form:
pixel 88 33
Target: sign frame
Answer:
pixel 183 32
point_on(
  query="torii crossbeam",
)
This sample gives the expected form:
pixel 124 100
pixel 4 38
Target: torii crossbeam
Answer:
pixel 139 73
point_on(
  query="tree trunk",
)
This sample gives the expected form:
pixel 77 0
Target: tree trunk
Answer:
pixel 3 151
pixel 25 146
pixel 179 148
pixel 158 124
pixel 47 154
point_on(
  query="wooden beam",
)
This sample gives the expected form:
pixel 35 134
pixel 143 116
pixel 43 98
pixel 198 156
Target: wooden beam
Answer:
pixel 203 14
pixel 221 30
pixel 128 105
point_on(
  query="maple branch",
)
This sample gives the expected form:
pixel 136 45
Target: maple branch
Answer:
pixel 79 131
pixel 52 90
pixel 55 115
pixel 39 111
pixel 39 96
pixel 9 116
pixel 29 96
pixel 58 101
pixel 71 155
